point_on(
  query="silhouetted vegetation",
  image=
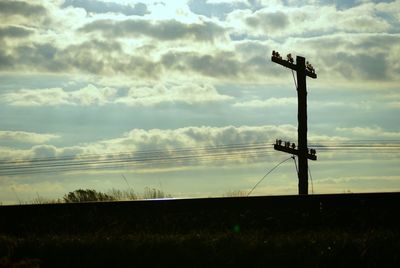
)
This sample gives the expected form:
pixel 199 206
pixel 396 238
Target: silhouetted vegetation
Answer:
pixel 122 195
pixel 91 195
pixel 153 193
pixel 87 195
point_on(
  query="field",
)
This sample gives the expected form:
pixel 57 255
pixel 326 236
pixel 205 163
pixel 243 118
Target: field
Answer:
pixel 313 231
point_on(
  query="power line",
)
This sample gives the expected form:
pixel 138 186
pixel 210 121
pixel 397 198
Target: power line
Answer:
pixel 142 152
pixel 295 163
pixel 126 162
pixel 294 79
pixel 245 146
pixel 312 184
pixel 268 174
pixel 178 155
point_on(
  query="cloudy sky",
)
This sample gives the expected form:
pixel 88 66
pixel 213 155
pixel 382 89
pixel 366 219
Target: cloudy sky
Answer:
pixel 190 85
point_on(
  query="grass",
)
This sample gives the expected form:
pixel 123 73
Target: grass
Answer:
pixel 120 195
pixel 329 248
pixel 110 195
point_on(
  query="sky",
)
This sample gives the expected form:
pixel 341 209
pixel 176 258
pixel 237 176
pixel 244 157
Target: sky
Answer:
pixel 192 82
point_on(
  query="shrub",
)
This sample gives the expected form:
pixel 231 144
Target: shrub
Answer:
pixel 87 195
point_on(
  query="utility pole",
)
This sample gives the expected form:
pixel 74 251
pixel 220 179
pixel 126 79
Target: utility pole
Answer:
pixel 303 69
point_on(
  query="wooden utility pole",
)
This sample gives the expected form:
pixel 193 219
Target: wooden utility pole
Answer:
pixel 303 69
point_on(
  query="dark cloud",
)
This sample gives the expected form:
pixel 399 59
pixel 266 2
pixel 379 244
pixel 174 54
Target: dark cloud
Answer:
pixel 365 66
pixel 36 57
pixel 14 32
pixel 162 30
pixel 99 57
pixel 345 4
pixel 6 61
pixel 248 61
pixel 95 6
pixel 364 56
pixel 12 8
pixel 219 10
pixel 93 57
pixel 223 64
pixel 270 21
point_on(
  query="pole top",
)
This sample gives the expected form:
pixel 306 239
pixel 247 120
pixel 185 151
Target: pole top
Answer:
pixel 289 63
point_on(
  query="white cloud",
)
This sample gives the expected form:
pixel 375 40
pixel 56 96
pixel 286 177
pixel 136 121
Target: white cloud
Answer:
pixel 271 102
pixel 370 132
pixel 188 93
pixel 136 96
pixel 57 96
pixel 26 137
pixel 167 139
pixel 140 142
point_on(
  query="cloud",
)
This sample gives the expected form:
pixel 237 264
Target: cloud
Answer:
pixel 26 137
pixel 259 24
pixel 165 149
pixel 308 19
pixel 361 65
pixel 20 8
pixel 15 32
pixel 110 45
pixel 44 151
pixel 40 57
pixel 86 96
pixel 355 57
pixel 91 57
pixel 190 94
pixel 246 61
pixel 161 30
pixel 271 102
pixel 219 65
pixel 218 9
pixel 268 21
pixel 95 6
pixel 139 142
pixel 370 132
pixel 156 94
pixel 204 136
pixel 31 97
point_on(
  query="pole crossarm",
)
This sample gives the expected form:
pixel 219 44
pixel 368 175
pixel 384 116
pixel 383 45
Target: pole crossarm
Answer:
pixel 290 65
pixel 293 151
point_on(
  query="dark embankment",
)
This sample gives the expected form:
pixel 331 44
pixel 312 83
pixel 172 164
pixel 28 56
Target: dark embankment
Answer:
pixel 315 230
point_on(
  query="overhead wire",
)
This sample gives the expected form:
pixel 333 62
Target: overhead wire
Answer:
pixel 325 145
pixel 295 164
pixel 139 152
pixel 269 172
pixel 312 184
pixel 294 79
pixel 177 155
pixel 144 160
